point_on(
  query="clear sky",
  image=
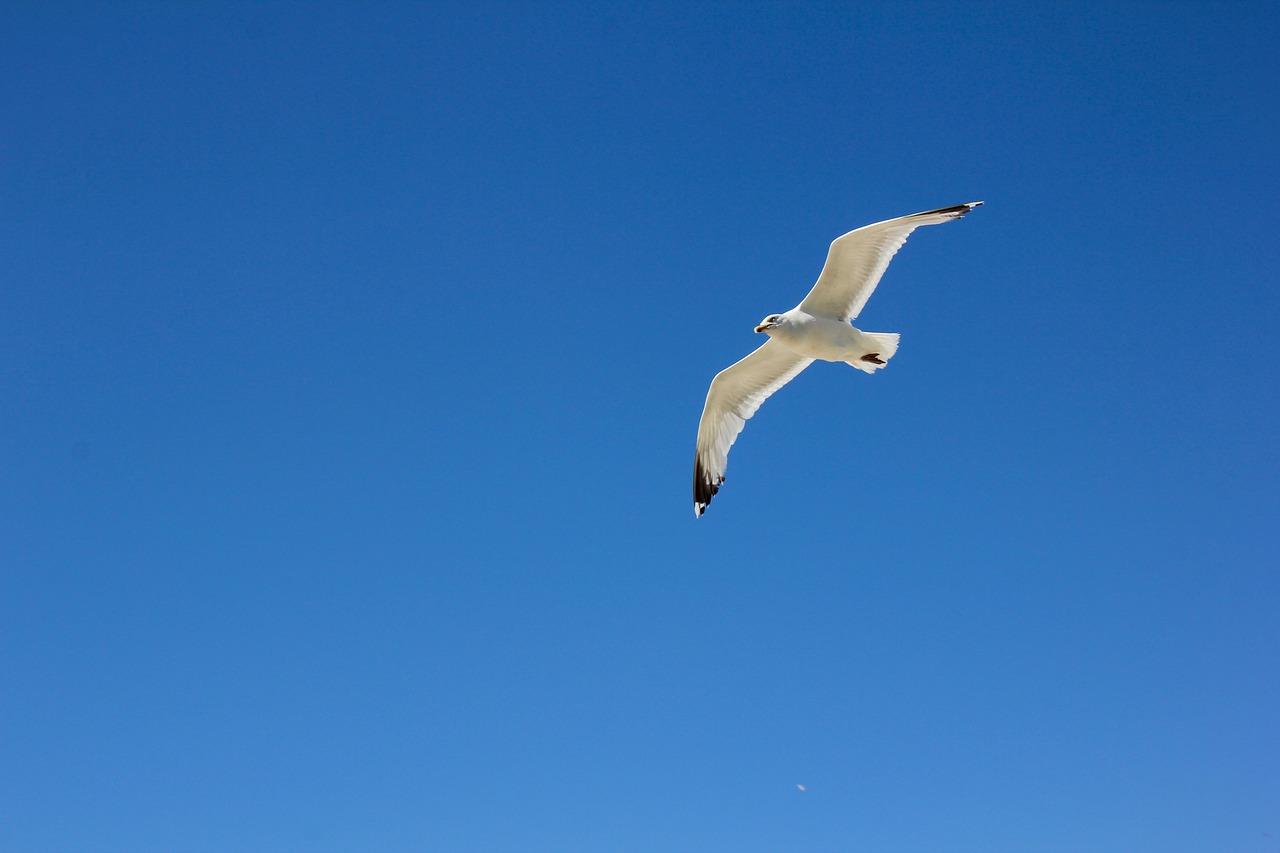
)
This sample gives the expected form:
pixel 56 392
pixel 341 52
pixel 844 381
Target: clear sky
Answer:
pixel 351 359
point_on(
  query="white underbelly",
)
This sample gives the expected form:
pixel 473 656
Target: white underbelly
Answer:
pixel 827 340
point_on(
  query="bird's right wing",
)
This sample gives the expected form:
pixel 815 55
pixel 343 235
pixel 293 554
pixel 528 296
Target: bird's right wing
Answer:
pixel 856 261
pixel 736 393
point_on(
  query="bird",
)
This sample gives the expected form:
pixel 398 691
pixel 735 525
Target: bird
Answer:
pixel 820 327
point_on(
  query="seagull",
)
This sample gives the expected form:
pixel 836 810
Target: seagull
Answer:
pixel 818 328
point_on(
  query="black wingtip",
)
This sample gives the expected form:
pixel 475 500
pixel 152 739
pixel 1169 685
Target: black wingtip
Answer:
pixel 957 210
pixel 704 488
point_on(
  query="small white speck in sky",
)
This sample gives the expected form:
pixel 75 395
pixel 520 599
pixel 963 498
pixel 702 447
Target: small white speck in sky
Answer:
pixel 802 787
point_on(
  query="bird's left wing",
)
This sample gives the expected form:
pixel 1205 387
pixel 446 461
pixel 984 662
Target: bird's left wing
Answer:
pixel 736 393
pixel 857 260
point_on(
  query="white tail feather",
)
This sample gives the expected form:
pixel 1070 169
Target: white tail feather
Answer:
pixel 886 344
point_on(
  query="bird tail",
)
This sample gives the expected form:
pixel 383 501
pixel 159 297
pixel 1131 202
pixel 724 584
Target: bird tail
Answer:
pixel 885 343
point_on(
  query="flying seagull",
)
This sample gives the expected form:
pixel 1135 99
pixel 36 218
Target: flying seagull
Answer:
pixel 819 327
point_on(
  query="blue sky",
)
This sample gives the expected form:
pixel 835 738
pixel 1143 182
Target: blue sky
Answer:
pixel 352 357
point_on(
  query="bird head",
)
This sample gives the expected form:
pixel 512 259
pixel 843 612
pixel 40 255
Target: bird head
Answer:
pixel 773 321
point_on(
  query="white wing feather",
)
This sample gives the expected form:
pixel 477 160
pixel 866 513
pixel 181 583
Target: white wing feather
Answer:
pixel 735 395
pixel 857 260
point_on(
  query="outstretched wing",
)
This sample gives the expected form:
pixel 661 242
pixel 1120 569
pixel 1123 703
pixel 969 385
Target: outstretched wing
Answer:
pixel 736 393
pixel 856 261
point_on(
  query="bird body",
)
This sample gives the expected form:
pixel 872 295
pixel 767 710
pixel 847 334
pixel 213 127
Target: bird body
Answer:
pixel 824 338
pixel 819 328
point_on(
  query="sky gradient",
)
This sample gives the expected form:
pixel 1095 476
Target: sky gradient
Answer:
pixel 352 356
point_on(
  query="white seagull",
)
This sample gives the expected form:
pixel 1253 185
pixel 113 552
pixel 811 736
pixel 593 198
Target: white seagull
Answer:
pixel 819 327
